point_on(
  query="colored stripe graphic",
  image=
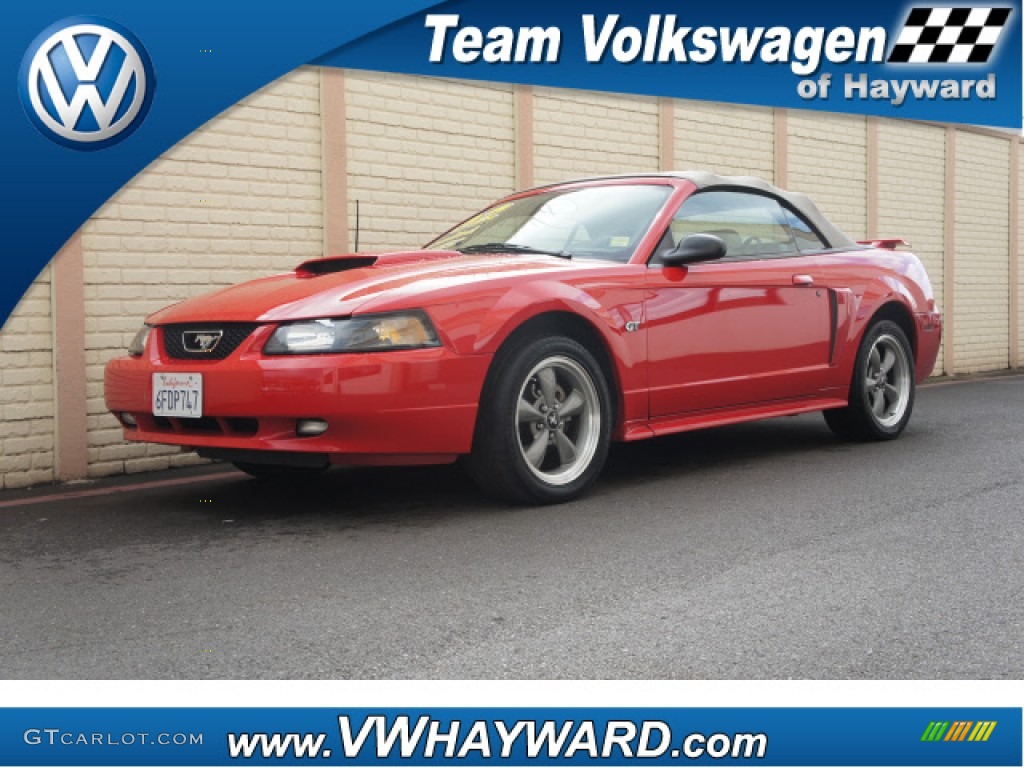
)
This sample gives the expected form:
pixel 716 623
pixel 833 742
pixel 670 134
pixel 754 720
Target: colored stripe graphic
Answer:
pixel 983 731
pixel 959 730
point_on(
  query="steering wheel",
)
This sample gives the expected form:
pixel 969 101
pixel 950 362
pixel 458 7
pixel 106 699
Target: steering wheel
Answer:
pixel 751 243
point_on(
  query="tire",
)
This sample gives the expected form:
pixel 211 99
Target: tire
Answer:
pixel 544 423
pixel 882 390
pixel 278 472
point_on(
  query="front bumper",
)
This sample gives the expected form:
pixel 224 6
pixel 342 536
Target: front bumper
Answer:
pixel 409 406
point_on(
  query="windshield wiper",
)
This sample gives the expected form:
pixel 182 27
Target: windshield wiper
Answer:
pixel 512 248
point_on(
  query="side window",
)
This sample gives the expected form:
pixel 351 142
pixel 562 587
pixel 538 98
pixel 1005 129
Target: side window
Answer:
pixel 750 225
pixel 805 238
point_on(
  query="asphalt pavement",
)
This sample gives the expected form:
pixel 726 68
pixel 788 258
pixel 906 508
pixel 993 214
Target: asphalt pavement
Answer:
pixel 768 550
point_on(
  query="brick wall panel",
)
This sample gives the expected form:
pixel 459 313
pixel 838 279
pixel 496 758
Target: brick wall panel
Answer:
pixel 912 194
pixel 982 326
pixel 578 134
pixel 1020 251
pixel 423 154
pixel 26 390
pixel 726 139
pixel 828 162
pixel 237 199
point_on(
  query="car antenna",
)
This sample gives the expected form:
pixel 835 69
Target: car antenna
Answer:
pixel 357 226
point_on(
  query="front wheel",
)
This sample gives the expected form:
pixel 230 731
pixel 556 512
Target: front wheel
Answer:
pixel 883 387
pixel 544 424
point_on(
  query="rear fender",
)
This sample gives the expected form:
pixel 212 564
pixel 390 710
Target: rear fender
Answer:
pixel 864 310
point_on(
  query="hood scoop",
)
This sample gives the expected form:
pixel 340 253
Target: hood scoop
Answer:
pixel 332 264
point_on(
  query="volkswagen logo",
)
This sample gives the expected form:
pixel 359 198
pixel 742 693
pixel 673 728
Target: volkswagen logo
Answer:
pixel 86 82
pixel 201 341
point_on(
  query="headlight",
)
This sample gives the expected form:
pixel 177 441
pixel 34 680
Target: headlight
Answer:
pixel 368 333
pixel 138 345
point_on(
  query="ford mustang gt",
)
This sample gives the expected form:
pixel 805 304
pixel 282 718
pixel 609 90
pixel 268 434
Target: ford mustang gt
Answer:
pixel 531 335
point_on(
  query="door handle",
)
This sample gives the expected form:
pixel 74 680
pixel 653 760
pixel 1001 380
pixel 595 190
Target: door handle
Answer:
pixel 803 280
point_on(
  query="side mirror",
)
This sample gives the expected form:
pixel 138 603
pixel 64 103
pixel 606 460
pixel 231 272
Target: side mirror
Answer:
pixel 693 249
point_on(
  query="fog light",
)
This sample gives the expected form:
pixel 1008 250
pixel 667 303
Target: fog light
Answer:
pixel 310 427
pixel 128 420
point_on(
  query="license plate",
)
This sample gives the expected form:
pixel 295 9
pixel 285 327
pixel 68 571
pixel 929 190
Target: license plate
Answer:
pixel 178 394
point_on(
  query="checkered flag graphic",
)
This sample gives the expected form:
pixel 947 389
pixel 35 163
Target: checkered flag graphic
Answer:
pixel 949 35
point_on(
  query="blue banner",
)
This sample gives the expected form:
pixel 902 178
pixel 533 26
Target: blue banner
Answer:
pixel 966 736
pixel 874 57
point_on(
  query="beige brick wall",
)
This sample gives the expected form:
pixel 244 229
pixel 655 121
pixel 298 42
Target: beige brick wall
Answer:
pixel 237 199
pixel 578 134
pixel 912 193
pixel 725 138
pixel 828 161
pixel 1020 252
pixel 981 312
pixel 424 154
pixel 242 197
pixel 26 390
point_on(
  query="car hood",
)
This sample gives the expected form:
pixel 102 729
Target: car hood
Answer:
pixel 342 285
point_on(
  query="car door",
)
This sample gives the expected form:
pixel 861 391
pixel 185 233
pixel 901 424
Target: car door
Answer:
pixel 753 327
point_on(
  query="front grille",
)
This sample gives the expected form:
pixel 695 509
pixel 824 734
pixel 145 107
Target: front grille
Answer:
pixel 233 335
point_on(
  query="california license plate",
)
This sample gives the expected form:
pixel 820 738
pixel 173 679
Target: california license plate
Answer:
pixel 178 394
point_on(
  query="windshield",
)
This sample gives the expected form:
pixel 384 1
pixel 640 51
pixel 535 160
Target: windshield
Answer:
pixel 604 222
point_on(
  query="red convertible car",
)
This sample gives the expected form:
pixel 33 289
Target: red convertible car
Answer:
pixel 534 333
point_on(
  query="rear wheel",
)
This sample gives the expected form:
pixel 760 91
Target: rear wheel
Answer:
pixel 883 387
pixel 544 425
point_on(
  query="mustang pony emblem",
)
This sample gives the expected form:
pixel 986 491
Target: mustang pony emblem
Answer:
pixel 201 341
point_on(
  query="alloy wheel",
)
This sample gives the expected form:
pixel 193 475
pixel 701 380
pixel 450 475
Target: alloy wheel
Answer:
pixel 558 418
pixel 887 380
